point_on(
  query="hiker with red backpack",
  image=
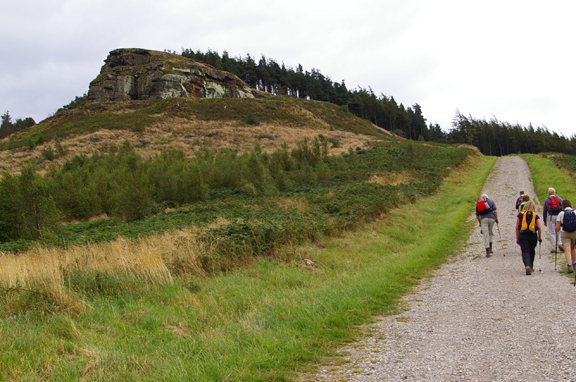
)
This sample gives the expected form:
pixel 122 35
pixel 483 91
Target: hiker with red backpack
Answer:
pixel 528 234
pixel 486 215
pixel 566 225
pixel 552 207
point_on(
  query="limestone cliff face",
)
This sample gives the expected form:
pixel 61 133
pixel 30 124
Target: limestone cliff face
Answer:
pixel 139 74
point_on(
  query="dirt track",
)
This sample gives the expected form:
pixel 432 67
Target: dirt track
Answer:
pixel 478 319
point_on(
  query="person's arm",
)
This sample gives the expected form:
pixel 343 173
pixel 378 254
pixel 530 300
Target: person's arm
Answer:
pixel 539 230
pixel 496 216
pixel 544 213
pixel 558 225
pixel 517 229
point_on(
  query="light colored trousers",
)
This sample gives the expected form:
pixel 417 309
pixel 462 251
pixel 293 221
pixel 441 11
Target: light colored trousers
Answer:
pixel 552 231
pixel 487 224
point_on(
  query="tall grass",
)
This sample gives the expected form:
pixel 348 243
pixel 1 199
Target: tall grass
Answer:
pixel 264 322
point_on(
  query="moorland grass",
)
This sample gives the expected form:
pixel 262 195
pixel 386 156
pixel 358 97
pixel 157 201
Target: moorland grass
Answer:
pixel 265 322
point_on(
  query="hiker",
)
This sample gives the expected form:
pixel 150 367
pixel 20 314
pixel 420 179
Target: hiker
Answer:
pixel 523 200
pixel 486 215
pixel 528 234
pixel 566 225
pixel 552 207
pixel 519 200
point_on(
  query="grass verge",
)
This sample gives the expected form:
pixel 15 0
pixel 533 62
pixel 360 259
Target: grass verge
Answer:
pixel 545 174
pixel 266 322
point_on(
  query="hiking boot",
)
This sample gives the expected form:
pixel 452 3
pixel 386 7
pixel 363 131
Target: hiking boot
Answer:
pixel 552 251
pixel 570 269
pixel 561 248
pixel 528 270
pixel 491 251
pixel 487 252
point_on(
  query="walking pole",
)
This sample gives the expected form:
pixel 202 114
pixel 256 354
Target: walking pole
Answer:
pixel 501 243
pixel 540 257
pixel 555 251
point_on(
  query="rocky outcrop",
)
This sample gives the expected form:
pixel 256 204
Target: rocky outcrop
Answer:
pixel 139 74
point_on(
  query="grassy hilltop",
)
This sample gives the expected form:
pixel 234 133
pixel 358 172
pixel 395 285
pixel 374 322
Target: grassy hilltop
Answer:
pixel 304 221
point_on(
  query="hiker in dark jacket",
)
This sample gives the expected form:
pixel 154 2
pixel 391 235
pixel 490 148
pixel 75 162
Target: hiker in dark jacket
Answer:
pixel 528 234
pixel 568 238
pixel 486 220
pixel 552 207
pixel 519 200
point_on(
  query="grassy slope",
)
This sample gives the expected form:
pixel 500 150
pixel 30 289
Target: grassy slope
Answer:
pixel 262 323
pixel 187 124
pixel 546 174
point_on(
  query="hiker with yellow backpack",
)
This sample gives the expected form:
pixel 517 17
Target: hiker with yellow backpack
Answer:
pixel 528 234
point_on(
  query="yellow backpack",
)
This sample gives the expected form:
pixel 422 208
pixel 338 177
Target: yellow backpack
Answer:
pixel 528 223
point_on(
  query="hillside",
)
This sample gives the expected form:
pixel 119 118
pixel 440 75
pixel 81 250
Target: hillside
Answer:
pixel 196 227
pixel 188 124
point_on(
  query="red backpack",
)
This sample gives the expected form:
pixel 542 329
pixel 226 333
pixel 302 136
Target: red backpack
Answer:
pixel 554 206
pixel 482 207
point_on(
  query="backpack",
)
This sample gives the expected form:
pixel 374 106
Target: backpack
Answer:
pixel 528 225
pixel 554 206
pixel 569 221
pixel 482 207
pixel 521 206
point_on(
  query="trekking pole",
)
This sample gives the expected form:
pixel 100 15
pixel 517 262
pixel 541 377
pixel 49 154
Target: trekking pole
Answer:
pixel 555 251
pixel 540 256
pixel 501 243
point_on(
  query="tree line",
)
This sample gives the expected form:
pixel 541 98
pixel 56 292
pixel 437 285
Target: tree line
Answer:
pixel 269 76
pixel 499 138
pixel 8 127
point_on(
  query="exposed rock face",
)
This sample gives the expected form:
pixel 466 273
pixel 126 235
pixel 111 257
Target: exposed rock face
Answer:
pixel 133 74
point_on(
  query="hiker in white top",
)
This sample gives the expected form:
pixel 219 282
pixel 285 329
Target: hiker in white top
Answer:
pixel 568 233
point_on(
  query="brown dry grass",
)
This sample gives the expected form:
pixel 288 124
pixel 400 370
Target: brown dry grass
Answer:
pixel 151 260
pixel 391 178
pixel 188 135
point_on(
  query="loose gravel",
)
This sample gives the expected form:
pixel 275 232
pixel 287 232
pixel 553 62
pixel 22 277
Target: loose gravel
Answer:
pixel 478 318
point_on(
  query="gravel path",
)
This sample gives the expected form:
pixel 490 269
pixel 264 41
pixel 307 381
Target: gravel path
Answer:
pixel 478 318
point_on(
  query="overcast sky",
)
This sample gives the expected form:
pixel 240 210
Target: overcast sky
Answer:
pixel 509 59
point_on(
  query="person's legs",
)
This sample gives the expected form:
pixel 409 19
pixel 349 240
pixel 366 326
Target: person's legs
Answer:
pixel 552 231
pixel 490 231
pixel 525 247
pixel 533 243
pixel 568 248
pixel 486 224
pixel 572 241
